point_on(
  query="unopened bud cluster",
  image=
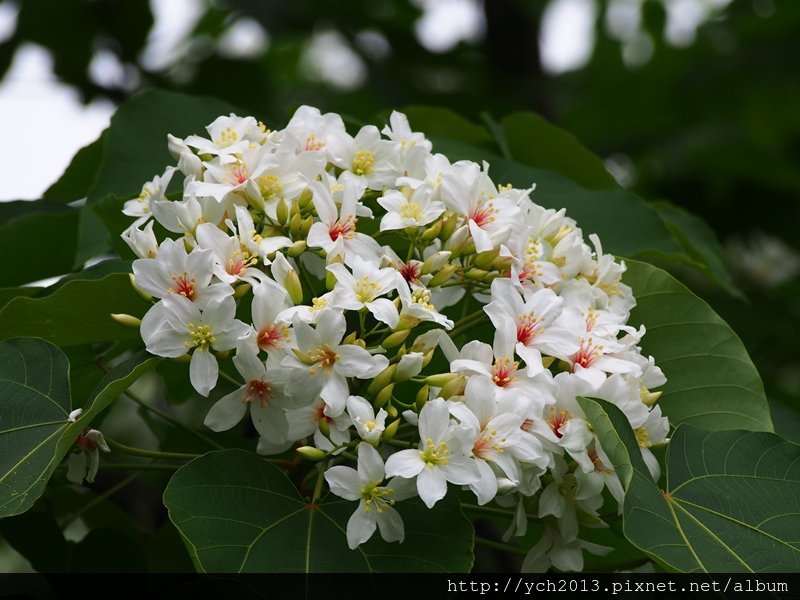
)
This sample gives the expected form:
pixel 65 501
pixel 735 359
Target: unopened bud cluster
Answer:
pixel 337 274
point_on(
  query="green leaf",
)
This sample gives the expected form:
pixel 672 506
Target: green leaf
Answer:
pixel 700 243
pixel 35 433
pixel 626 224
pixel 78 312
pixel 136 151
pixel 77 180
pixel 535 142
pixel 711 381
pixel 234 509
pixel 32 228
pixel 731 499
pixel 34 386
pixel 435 121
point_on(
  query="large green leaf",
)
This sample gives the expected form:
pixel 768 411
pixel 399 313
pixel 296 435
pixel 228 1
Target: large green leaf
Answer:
pixel 35 432
pixel 34 387
pixel 533 141
pixel 711 381
pixel 731 499
pixel 77 180
pixel 31 231
pixel 234 510
pixel 136 150
pixel 77 312
pixel 700 243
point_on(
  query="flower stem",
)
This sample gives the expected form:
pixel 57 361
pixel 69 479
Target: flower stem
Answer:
pixel 320 479
pixel 488 510
pixel 173 421
pixel 99 498
pixel 139 466
pixel 500 546
pixel 115 445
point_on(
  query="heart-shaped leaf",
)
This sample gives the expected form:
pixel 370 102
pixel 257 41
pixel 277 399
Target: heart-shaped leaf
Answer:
pixel 35 430
pixel 731 499
pixel 711 381
pixel 238 513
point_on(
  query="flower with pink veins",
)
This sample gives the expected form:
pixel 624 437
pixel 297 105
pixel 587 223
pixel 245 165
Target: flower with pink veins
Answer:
pixel 499 440
pixel 490 219
pixel 507 380
pixel 335 232
pixel 262 391
pixel 176 325
pixel 272 336
pixel 532 324
pixel 326 363
pixel 174 271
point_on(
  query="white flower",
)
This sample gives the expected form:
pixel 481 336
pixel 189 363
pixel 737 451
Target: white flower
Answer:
pixel 229 135
pixel 442 455
pixel 362 288
pixel 84 463
pixel 174 271
pixel 336 231
pixel 175 325
pixel 369 426
pixel 531 324
pixel 373 160
pixel 262 390
pixel 154 190
pixel 415 210
pixel 326 363
pixel 375 501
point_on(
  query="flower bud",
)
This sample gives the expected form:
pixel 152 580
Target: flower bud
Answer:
pixel 142 293
pixel 282 211
pixel 392 411
pixel 306 226
pixel 311 453
pixel 305 199
pixel 454 387
pixel 396 338
pixel 409 366
pixel 382 379
pixel 406 322
pixel 476 274
pixel 390 431
pixel 459 240
pixel 449 222
pixel 297 248
pixel 442 276
pixel 440 379
pixel 126 320
pixel 434 262
pixel 384 395
pixel 241 290
pixel 484 260
pixel 295 224
pixel 292 285
pixel 324 427
pixel 271 231
pixel 649 398
pixel 427 358
pixel 422 396
pixel 432 232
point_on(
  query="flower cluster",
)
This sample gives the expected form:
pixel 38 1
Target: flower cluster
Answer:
pixel 341 271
